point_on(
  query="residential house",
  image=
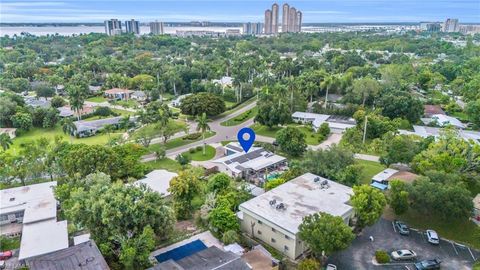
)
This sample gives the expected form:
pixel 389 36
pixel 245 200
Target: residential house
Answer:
pixel 83 256
pixel 158 181
pixel 443 120
pixel 426 131
pixel 178 101
pixel 139 96
pixel 431 110
pixel 66 111
pixel 256 165
pixel 37 102
pixel 11 132
pixel 32 212
pixel 94 89
pixel 383 178
pixel 225 81
pixel 90 128
pixel 118 94
pixel 337 124
pixel 275 216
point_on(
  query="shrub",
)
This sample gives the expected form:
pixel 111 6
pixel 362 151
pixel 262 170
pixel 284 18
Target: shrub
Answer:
pixel 382 256
pixel 199 148
pixel 192 136
pixel 104 111
pixel 308 264
pixel 191 150
pixel 230 237
pixel 182 159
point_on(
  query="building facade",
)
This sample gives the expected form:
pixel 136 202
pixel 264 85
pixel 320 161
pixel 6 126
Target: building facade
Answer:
pixel 451 25
pixel 285 14
pixel 298 23
pixel 252 28
pixel 132 26
pixel 113 27
pixel 156 28
pixel 268 22
pixel 292 19
pixel 275 18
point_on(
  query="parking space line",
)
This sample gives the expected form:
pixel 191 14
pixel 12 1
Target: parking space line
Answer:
pixel 454 248
pixel 473 257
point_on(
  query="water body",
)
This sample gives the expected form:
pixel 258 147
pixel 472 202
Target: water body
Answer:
pixel 70 30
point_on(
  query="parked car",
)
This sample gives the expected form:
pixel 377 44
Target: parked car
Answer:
pixel 2 265
pixel 331 267
pixel 4 255
pixel 432 237
pixel 404 254
pixel 402 227
pixel 428 264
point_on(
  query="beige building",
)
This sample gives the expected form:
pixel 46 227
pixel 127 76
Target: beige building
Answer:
pixel 275 216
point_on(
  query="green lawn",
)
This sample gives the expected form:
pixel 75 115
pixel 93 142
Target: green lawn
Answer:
pixel 311 137
pixel 9 243
pixel 370 168
pixel 98 99
pixel 197 155
pixel 453 229
pixel 240 118
pixel 229 104
pixel 177 142
pixel 227 112
pixel 462 116
pixel 166 164
pixel 154 129
pixel 50 134
pixel 131 103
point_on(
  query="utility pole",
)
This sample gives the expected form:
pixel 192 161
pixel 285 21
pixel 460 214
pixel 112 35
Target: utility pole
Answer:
pixel 365 129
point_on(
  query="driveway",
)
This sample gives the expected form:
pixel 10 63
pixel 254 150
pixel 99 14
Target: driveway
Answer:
pixel 360 254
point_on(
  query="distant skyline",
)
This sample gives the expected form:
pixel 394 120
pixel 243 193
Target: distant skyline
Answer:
pixel 314 11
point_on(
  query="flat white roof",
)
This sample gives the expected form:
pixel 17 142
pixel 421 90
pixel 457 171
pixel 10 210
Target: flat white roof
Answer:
pixel 384 175
pixel 301 196
pixel 158 180
pixel 40 209
pixel 425 131
pixel 445 120
pixel 38 197
pixel 43 237
pixel 81 239
pixel 256 159
pixel 314 116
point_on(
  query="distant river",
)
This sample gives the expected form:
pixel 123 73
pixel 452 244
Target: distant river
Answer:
pixel 70 30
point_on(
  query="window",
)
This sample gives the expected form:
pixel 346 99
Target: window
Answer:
pixel 285 248
pixel 19 214
pixel 273 240
pixel 259 232
pixel 286 237
pixel 259 222
pixel 273 230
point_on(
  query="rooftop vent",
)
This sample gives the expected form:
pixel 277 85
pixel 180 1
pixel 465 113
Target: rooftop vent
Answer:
pixel 281 206
pixel 12 199
pixel 273 202
pixel 324 184
pixel 316 179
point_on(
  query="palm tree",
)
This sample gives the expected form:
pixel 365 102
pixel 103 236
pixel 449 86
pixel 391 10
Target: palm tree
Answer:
pixel 5 141
pixel 69 127
pixel 109 129
pixel 202 126
pixel 76 97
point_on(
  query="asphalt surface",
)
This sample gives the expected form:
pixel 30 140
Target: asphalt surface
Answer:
pixel 360 254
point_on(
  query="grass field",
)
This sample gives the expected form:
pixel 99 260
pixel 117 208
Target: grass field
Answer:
pixel 370 168
pixel 197 155
pixel 50 134
pixel 177 142
pixel 98 99
pixel 453 229
pixel 166 164
pixel 240 118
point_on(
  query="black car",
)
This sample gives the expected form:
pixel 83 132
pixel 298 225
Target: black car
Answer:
pixel 428 264
pixel 401 227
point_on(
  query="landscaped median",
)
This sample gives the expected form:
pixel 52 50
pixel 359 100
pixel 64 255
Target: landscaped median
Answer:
pixel 177 142
pixel 239 119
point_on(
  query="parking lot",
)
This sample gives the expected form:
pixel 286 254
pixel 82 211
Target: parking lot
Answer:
pixel 360 254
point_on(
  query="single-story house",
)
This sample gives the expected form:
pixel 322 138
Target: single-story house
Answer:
pixel 11 132
pixel 224 81
pixel 90 128
pixel 118 94
pixel 83 256
pixel 337 123
pixel 178 101
pixel 66 111
pixel 431 110
pixel 94 89
pixel 158 181
pixel 383 178
pixel 443 120
pixel 34 102
pixel 254 165
pixel 275 216
pixel 139 96
pixel 426 131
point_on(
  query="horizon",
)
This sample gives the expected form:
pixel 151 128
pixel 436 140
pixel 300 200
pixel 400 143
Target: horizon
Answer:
pixel 235 11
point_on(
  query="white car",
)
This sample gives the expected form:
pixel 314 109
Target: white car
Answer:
pixel 432 237
pixel 404 254
pixel 331 267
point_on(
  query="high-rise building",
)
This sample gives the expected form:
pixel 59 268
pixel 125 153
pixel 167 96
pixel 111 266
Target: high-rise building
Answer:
pixel 268 22
pixel 292 19
pixel 113 27
pixel 451 25
pixel 285 13
pixel 132 26
pixel 275 18
pixel 252 28
pixel 298 23
pixel 257 28
pixel 156 28
pixel 247 28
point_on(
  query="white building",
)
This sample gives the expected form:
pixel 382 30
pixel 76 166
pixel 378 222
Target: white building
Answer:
pixel 156 28
pixel 425 131
pixel 255 165
pixel 32 211
pixel 275 216
pixel 443 120
pixel 158 181
pixel 224 81
pixel 178 101
pixel 337 124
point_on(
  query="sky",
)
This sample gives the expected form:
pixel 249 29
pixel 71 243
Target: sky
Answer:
pixel 314 11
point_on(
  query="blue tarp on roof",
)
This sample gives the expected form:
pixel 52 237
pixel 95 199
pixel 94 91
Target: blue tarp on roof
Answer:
pixel 182 251
pixel 379 185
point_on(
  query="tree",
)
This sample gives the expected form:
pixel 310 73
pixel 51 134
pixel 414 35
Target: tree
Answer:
pixel 223 219
pixel 273 183
pixel 202 126
pixel 8 108
pixel 473 111
pixel 68 127
pixel 325 234
pixel 57 102
pixel 272 112
pixel 219 183
pixel 292 141
pixel 398 197
pixel 198 104
pixel 45 91
pixel 182 159
pixel 51 118
pixel 400 149
pixel 134 252
pixel 401 104
pixel 22 121
pixel 160 153
pixel 5 141
pixel 144 137
pixel 309 264
pixel 230 237
pixel 324 130
pixel 76 96
pixel 365 88
pixel 368 203
pixel 184 187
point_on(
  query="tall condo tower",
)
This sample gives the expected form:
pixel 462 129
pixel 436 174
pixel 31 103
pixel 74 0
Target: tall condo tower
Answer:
pixel 156 28
pixel 292 19
pixel 132 26
pixel 268 21
pixel 275 18
pixel 113 27
pixel 299 21
pixel 285 13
